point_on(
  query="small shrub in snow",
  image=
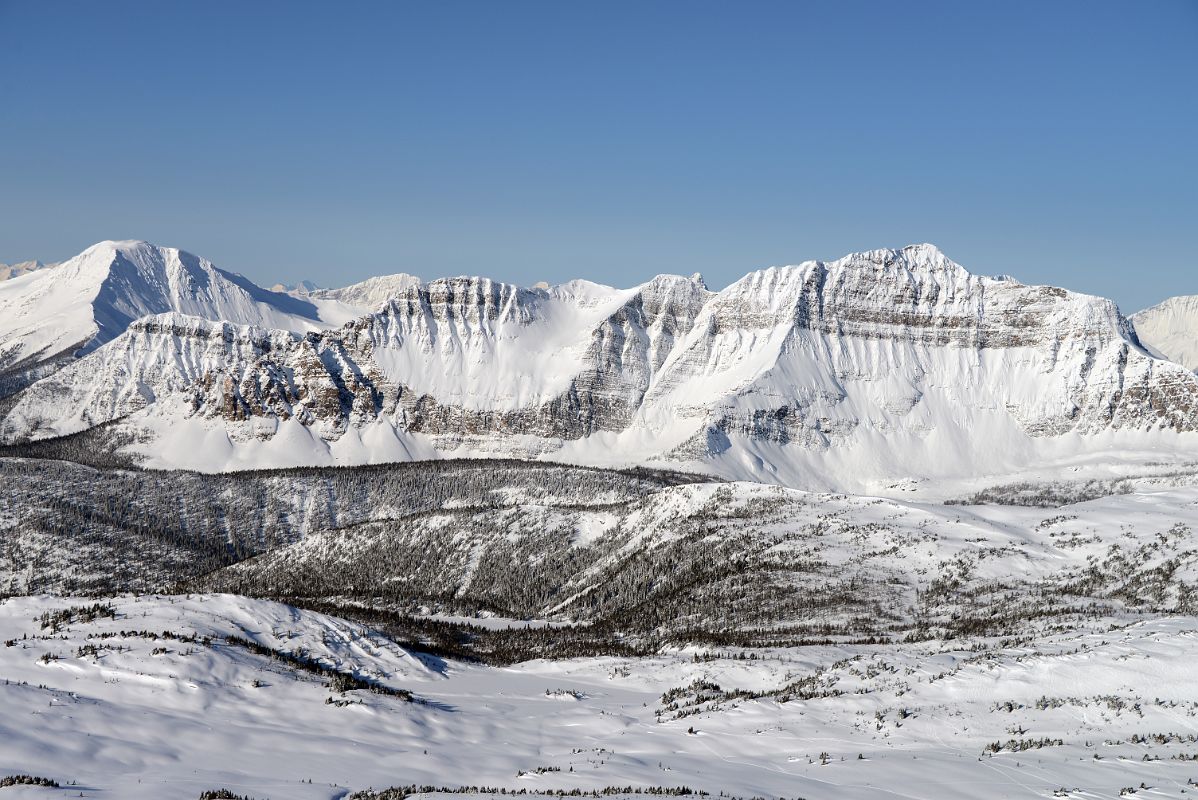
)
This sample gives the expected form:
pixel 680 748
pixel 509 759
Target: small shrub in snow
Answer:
pixel 27 780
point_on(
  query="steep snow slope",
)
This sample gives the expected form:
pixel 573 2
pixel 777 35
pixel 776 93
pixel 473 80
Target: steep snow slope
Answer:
pixel 154 357
pixel 92 298
pixel 901 362
pixel 1171 329
pixel 469 343
pixel 849 374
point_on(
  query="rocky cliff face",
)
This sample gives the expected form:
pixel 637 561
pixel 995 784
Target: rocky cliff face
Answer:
pixel 895 359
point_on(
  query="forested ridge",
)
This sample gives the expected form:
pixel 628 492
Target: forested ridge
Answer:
pixel 68 527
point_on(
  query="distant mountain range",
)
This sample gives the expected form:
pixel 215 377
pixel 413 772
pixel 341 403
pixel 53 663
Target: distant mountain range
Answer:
pixel 17 270
pixel 871 372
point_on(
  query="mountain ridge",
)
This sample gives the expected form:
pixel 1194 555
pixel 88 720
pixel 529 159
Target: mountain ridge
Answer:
pixel 52 316
pixel 881 365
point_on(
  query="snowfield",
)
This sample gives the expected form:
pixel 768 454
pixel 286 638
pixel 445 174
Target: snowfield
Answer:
pixel 115 711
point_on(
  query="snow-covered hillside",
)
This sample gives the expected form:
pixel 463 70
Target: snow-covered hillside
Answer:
pixel 170 697
pixel 1171 329
pixel 764 562
pixel 651 554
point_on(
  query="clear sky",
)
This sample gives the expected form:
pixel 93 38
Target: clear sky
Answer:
pixel 1055 141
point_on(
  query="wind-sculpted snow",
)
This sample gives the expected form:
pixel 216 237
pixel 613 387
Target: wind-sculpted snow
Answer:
pixel 851 374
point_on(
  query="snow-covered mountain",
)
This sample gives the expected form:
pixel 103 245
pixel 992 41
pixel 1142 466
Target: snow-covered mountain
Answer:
pixel 50 316
pixel 301 288
pixel 23 268
pixel 1171 329
pixel 577 630
pixel 877 367
pixel 372 293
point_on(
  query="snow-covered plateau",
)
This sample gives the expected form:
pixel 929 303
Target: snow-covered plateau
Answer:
pixel 868 528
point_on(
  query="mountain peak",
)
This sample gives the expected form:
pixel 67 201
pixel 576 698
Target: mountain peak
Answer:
pixel 92 298
pixel 123 246
pixel 913 255
pixel 303 287
pixel 924 250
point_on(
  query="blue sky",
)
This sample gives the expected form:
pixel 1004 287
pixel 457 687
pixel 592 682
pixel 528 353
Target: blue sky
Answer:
pixel 527 141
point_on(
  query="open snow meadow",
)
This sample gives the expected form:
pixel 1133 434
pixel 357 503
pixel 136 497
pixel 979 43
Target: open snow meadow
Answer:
pixel 1022 651
pixel 161 700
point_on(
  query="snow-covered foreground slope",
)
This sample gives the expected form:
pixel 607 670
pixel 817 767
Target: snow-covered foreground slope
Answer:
pixel 738 637
pixel 850 375
pixel 123 710
pixel 1171 329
